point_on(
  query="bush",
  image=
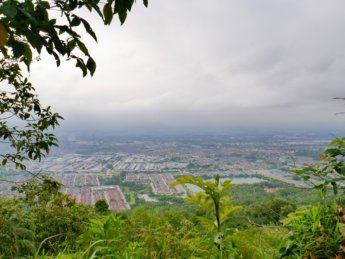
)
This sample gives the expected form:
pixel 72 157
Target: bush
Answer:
pixel 315 233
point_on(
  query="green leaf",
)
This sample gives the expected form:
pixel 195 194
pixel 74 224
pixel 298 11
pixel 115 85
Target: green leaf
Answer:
pixel 34 40
pixel 107 13
pixel 146 3
pixel 306 178
pixel 122 16
pixel 18 49
pixel 63 29
pixel 83 47
pixel 333 152
pixel 57 42
pixel 75 21
pixel 91 65
pixel 28 15
pixel 9 10
pixel 57 59
pixel 303 170
pixel 129 4
pixel 29 6
pixel 89 29
pixel 4 162
pixel 27 53
pixel 45 4
pixel 82 66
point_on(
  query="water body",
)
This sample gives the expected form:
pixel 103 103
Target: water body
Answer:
pixel 235 180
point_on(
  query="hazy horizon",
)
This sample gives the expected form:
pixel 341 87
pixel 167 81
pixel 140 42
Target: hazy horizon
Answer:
pixel 158 133
pixel 190 66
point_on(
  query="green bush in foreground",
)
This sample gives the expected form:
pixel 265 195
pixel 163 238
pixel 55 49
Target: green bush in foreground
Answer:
pixel 316 232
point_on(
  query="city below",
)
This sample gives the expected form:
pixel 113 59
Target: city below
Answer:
pixel 128 171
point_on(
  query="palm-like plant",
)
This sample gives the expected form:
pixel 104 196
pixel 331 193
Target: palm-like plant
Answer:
pixel 215 197
pixel 102 234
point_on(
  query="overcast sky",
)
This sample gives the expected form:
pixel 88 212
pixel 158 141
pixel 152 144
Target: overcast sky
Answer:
pixel 200 64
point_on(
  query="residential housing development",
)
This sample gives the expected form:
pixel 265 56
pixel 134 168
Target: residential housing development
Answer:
pixel 114 169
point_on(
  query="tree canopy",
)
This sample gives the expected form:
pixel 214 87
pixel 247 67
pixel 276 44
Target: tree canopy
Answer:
pixel 27 28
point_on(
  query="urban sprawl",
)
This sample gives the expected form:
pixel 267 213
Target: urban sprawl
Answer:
pixel 88 167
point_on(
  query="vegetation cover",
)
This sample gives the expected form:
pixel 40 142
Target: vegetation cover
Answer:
pixel 42 222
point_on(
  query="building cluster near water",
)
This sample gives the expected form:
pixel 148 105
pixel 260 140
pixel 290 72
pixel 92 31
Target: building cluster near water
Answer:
pixel 81 164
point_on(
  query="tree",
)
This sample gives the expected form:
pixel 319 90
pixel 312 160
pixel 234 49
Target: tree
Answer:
pixel 270 211
pixel 26 28
pixel 32 140
pixel 102 207
pixel 215 198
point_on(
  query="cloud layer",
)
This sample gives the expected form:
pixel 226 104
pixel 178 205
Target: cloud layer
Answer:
pixel 196 63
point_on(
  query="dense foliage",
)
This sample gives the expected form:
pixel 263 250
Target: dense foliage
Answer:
pixel 42 222
pixel 26 29
pixel 45 222
pixel 317 232
pixel 41 213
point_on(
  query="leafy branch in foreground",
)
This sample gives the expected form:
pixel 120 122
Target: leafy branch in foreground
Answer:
pixel 26 28
pixel 24 123
pixel 330 170
pixel 33 25
pixel 215 198
pixel 319 231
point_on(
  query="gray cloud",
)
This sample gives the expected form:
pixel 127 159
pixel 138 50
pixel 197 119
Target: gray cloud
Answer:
pixel 196 63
